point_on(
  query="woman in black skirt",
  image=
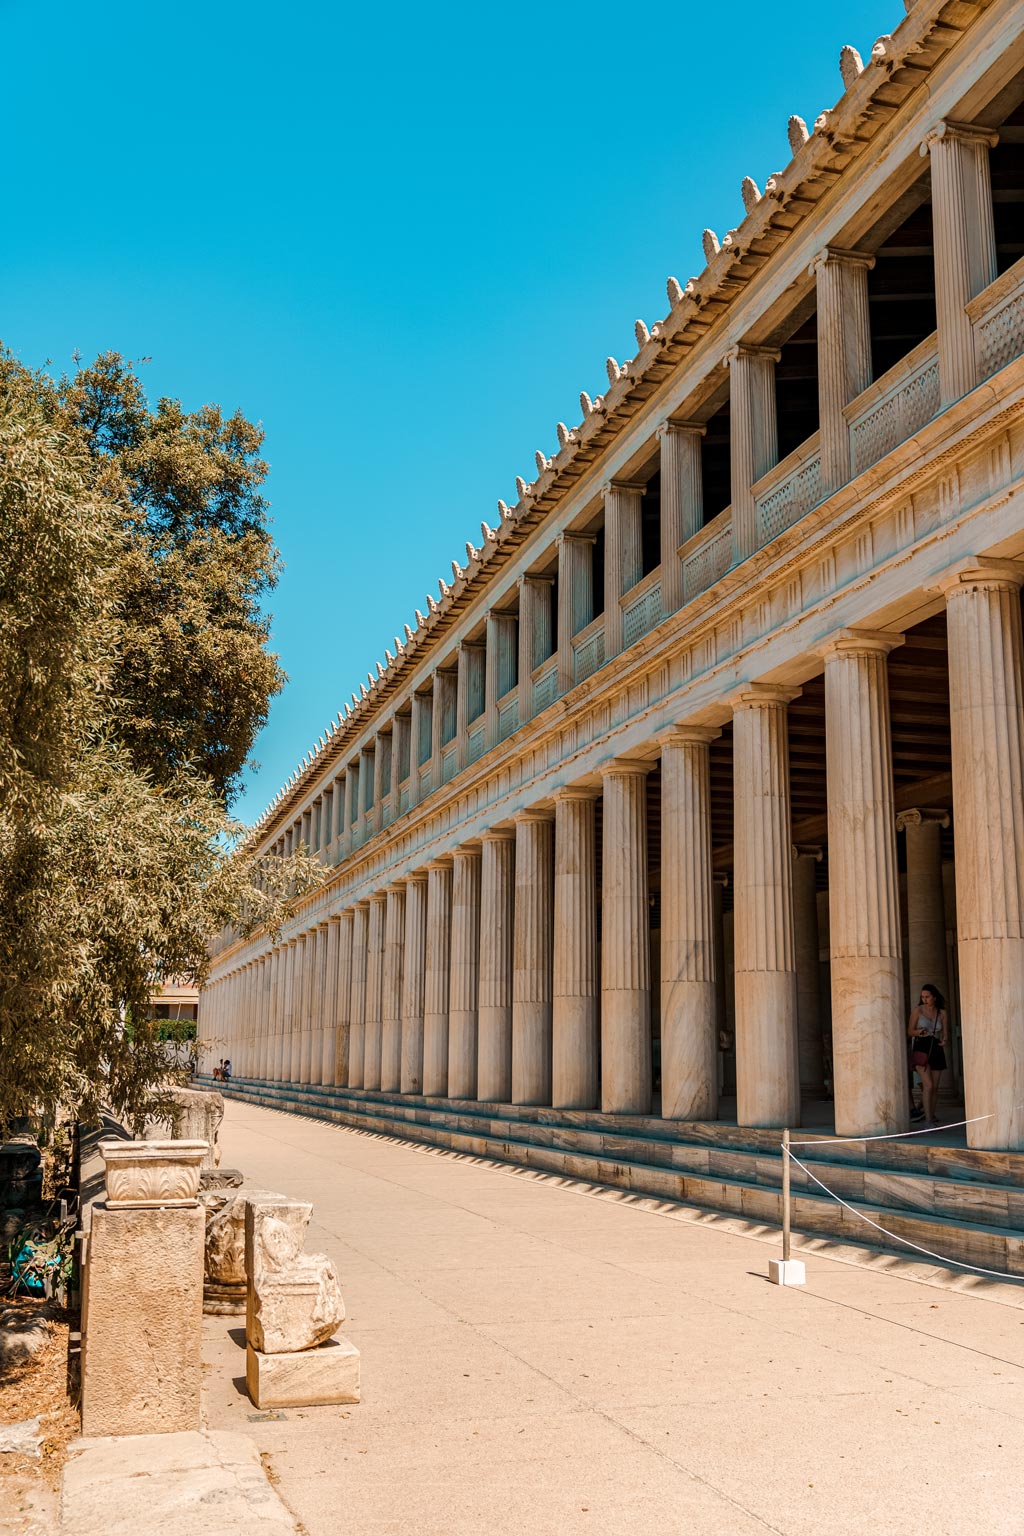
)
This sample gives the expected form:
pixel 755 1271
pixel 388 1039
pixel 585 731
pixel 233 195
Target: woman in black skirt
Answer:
pixel 928 1034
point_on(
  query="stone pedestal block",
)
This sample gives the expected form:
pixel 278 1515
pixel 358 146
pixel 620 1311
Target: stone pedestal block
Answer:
pixel 305 1378
pixel 142 1321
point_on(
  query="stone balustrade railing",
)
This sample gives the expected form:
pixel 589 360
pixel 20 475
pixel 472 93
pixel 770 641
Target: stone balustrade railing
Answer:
pixel 545 684
pixel 508 714
pixel 476 741
pixel 641 608
pixel 895 406
pixel 998 318
pixel 588 650
pixel 785 493
pixel 706 557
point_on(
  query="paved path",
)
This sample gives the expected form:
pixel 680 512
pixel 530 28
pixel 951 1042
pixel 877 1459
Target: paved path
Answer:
pixel 538 1361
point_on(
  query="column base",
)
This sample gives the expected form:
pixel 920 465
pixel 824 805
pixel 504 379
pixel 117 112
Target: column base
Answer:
pixel 304 1378
pixel 574 1036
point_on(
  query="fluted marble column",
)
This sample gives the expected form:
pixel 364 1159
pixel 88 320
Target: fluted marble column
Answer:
pixel 273 1015
pixel 328 1031
pixel 374 991
pixel 394 957
pixel 626 1067
pixel 413 982
pixel 343 1002
pixel 357 1024
pixel 682 502
pixel 284 1020
pixel 574 1019
pixel 767 1064
pixel 986 697
pixel 465 974
pixel 436 985
pixel 753 437
pixel 869 1053
pixel 623 554
pixel 316 1036
pixel 532 959
pixel 808 981
pixel 689 1022
pixel 300 1004
pixel 844 353
pixel 965 244
pixel 926 913
pixel 575 597
pixel 497 907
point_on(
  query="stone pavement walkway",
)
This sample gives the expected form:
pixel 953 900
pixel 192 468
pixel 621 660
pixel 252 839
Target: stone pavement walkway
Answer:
pixel 541 1361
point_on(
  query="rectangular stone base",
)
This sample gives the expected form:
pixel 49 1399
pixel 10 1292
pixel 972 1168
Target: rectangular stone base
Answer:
pixel 787 1272
pixel 302 1379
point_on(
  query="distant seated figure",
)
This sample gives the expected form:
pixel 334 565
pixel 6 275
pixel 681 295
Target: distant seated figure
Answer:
pixel 226 1070
pixel 218 1072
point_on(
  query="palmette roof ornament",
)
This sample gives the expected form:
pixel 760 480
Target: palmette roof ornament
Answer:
pixel 674 290
pixel 563 434
pixel 541 462
pixel 503 512
pixel 641 333
pixel 487 533
pixel 851 65
pixel 709 242
pixel 796 131
pixel 749 193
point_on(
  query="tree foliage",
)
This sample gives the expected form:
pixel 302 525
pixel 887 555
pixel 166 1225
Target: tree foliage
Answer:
pixel 134 674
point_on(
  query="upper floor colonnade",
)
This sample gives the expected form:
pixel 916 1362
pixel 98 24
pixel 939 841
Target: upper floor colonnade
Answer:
pixel 577 830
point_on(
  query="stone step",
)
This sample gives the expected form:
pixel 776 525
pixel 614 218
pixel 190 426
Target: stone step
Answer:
pixel 959 1219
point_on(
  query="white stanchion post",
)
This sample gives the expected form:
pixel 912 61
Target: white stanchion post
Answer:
pixel 786 1271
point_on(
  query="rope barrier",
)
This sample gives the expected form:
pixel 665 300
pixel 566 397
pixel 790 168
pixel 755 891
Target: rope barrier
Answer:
pixel 998 1274
pixel 926 1130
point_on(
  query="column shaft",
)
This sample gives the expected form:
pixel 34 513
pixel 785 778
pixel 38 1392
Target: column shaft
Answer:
pixel 576 598
pixel 465 973
pixel 767 1066
pixel 394 954
pixel 343 1002
pixel 374 991
pixel 436 986
pixel 682 502
pixel 926 915
pixel 689 1022
pixel 574 1021
pixel 413 982
pixel 808 981
pixel 532 961
pixel 753 438
pixel 844 353
pixel 987 727
pixel 869 1052
pixel 623 555
pixel 328 1030
pixel 965 244
pixel 357 1025
pixel 626 1067
pixel 497 906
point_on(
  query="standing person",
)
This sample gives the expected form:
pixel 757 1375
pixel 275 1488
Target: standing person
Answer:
pixel 928 1030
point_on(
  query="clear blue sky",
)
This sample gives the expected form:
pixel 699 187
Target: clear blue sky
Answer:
pixel 402 237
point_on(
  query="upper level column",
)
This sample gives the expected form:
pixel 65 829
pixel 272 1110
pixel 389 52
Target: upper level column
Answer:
pixel 500 670
pixel 753 437
pixel 535 636
pixel 682 502
pixel 576 598
pixel 443 721
pixel 420 736
pixel 965 244
pixel 623 555
pixel 844 353
pixel 470 689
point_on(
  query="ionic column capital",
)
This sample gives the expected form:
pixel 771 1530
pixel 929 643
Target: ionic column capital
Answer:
pixel 538 580
pixel 979 571
pixel 835 256
pixel 636 487
pixel 859 642
pixel 745 349
pixel 921 816
pixel 948 130
pixel 570 536
pixel 672 428
pixel 808 851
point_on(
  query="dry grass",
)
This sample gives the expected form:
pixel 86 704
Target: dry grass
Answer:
pixel 29 1485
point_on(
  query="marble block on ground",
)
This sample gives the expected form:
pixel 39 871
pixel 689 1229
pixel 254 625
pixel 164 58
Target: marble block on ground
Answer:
pixel 305 1378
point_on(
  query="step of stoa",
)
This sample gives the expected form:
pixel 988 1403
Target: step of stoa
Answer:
pixel 955 1216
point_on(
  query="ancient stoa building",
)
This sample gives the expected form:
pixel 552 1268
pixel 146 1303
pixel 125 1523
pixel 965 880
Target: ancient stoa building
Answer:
pixel 712 752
